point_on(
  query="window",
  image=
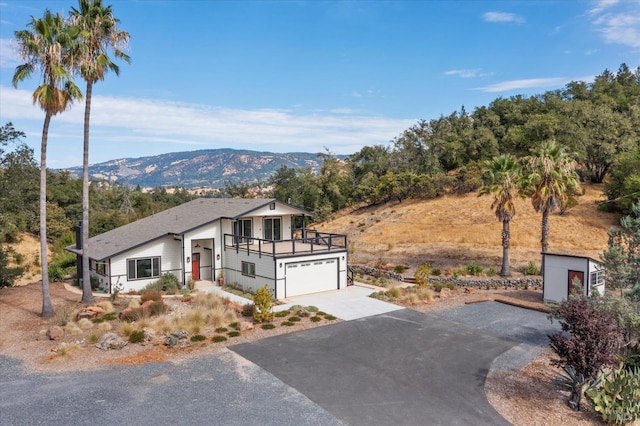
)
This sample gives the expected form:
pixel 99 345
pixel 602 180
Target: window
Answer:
pixel 272 228
pixel 101 268
pixel 597 278
pixel 138 269
pixel 249 269
pixel 243 228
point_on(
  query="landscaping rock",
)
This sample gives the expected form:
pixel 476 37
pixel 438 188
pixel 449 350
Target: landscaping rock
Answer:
pixel 303 313
pixel 445 292
pixel 111 341
pixel 55 333
pixel 90 312
pixel 179 337
pixel 149 334
pixel 245 326
pixel 469 290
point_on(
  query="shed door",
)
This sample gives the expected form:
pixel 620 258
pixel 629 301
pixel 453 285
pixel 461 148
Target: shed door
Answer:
pixel 573 275
pixel 195 266
pixel 311 277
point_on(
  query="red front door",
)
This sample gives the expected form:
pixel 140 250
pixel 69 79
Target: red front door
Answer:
pixel 195 266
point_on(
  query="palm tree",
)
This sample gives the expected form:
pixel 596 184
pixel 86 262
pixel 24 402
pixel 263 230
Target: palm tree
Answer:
pixel 552 177
pixel 45 48
pixel 502 179
pixel 99 34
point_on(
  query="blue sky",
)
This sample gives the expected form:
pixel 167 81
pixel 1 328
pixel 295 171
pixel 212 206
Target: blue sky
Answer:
pixel 286 76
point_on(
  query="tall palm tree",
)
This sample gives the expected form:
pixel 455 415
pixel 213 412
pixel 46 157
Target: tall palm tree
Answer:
pixel 99 35
pixel 45 48
pixel 503 179
pixel 552 176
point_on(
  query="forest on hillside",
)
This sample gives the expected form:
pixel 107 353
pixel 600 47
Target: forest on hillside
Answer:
pixel 597 124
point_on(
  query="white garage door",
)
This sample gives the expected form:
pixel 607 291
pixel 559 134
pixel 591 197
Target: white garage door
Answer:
pixel 311 277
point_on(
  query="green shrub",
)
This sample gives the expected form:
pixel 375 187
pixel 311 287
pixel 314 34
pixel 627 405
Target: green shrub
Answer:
pixel 110 316
pixel 422 275
pixel 136 336
pixel 436 272
pixel 56 273
pixel 263 301
pixel 531 269
pixel 618 397
pixel 329 317
pixel 474 269
pixel 312 308
pixel 287 323
pixel 399 269
pixel 157 307
pixel 394 292
pixel 437 286
pixel 491 271
pixel 316 318
pixel 281 314
pixel 93 338
pixel 267 326
pixel 221 330
pixel 233 333
pixel 197 338
pixel 218 339
pixel 248 310
pixel 233 325
pixel 167 283
pixel 321 313
pixel 294 319
pixel 150 295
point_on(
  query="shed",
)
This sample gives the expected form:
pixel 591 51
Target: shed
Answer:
pixel 560 271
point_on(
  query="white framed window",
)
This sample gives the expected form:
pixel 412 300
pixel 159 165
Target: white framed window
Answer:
pixel 144 267
pixel 249 269
pixel 597 278
pixel 273 228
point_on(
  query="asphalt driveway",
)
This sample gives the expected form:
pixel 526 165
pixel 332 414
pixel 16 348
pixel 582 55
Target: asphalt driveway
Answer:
pixel 398 368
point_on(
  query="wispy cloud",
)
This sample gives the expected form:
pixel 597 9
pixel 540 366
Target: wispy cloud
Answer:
pixel 8 55
pixel 126 127
pixel 463 73
pixel 618 22
pixel 507 86
pixel 503 17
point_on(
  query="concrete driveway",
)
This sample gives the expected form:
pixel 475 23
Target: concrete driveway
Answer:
pixel 398 368
pixel 347 304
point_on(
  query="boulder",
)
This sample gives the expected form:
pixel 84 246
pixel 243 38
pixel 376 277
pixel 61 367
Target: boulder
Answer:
pixel 90 312
pixel 445 292
pixel 111 341
pixel 245 326
pixel 55 333
pixel 178 337
pixel 469 290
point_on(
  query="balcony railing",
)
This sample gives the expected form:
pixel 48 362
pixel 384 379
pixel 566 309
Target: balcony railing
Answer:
pixel 308 241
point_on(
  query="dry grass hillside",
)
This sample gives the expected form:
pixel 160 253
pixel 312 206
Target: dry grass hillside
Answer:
pixel 454 231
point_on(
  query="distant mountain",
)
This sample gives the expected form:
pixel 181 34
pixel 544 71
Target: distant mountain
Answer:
pixel 193 169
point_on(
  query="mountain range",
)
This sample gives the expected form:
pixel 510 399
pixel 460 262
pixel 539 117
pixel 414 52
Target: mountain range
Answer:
pixel 209 168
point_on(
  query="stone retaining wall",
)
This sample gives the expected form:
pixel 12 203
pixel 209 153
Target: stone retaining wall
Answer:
pixel 530 282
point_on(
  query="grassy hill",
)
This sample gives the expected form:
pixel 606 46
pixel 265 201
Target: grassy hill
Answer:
pixel 454 231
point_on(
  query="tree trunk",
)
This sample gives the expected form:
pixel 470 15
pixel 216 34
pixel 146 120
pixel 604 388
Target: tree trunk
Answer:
pixel 47 307
pixel 544 240
pixel 506 237
pixel 87 296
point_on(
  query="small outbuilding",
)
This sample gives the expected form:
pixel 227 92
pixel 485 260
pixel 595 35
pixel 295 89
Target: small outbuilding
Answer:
pixel 561 271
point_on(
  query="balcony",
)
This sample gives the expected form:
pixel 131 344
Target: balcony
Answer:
pixel 309 242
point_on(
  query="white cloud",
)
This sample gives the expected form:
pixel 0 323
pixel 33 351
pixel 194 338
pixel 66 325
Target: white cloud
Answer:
pixel 463 73
pixel 531 83
pixel 502 17
pixel 8 55
pixel 127 127
pixel 618 22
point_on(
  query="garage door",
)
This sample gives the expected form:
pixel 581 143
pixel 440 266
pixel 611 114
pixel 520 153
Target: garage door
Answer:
pixel 311 277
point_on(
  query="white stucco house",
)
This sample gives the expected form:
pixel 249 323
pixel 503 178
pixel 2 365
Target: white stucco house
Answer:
pixel 560 271
pixel 252 241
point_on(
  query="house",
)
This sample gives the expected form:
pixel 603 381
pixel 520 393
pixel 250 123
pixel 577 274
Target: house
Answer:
pixel 253 242
pixel 561 271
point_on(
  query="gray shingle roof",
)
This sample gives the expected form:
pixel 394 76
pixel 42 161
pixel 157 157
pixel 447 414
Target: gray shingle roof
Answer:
pixel 176 220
